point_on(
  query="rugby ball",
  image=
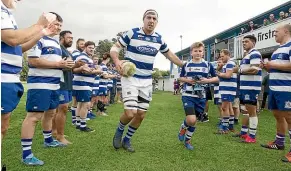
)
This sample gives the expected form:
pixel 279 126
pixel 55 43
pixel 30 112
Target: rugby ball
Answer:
pixel 128 69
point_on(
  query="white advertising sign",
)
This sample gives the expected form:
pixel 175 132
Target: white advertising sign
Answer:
pixel 265 37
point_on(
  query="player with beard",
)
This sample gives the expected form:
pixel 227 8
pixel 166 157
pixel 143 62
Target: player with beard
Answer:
pixel 142 45
pixel 65 93
pixel 80 48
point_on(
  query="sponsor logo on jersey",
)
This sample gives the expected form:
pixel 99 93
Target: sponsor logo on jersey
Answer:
pixel 147 50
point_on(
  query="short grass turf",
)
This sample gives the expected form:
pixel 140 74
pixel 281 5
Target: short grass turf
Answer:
pixel 156 144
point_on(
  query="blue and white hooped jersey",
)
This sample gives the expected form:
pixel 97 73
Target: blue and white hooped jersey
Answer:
pixel 40 78
pixel 228 85
pixel 96 83
pixel 190 70
pixel 103 82
pixel 141 49
pixel 280 81
pixel 110 81
pixel 84 81
pixel 216 91
pixel 251 82
pixel 11 56
pixel 75 54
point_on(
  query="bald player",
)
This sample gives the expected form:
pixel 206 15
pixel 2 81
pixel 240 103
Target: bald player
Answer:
pixel 280 90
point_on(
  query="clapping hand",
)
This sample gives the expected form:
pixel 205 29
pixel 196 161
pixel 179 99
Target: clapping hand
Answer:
pixel 46 19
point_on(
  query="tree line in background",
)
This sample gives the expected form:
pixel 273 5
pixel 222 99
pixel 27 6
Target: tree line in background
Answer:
pixel 102 47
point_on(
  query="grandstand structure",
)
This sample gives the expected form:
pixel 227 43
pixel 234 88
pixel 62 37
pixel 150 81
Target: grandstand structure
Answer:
pixel 231 39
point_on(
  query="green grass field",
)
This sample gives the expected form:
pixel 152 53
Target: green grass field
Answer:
pixel 156 144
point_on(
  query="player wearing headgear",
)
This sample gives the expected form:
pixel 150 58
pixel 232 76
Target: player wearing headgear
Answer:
pixel 142 45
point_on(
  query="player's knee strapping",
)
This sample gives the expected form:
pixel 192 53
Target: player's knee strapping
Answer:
pixel 143 104
pixel 130 103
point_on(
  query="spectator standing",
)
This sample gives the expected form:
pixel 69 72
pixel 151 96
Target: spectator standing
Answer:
pixel 266 22
pixel 65 92
pixel 272 18
pixel 281 15
pixel 252 26
pixel 242 30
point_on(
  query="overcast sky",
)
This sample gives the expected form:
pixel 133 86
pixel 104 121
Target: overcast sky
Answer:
pixel 196 20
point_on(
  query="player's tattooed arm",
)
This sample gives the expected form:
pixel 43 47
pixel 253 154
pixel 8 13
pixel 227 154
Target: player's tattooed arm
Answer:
pixel 173 58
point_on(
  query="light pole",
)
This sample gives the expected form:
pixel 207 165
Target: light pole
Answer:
pixel 181 41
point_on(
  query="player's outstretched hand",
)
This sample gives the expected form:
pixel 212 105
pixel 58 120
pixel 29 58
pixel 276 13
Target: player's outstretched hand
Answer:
pixel 45 19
